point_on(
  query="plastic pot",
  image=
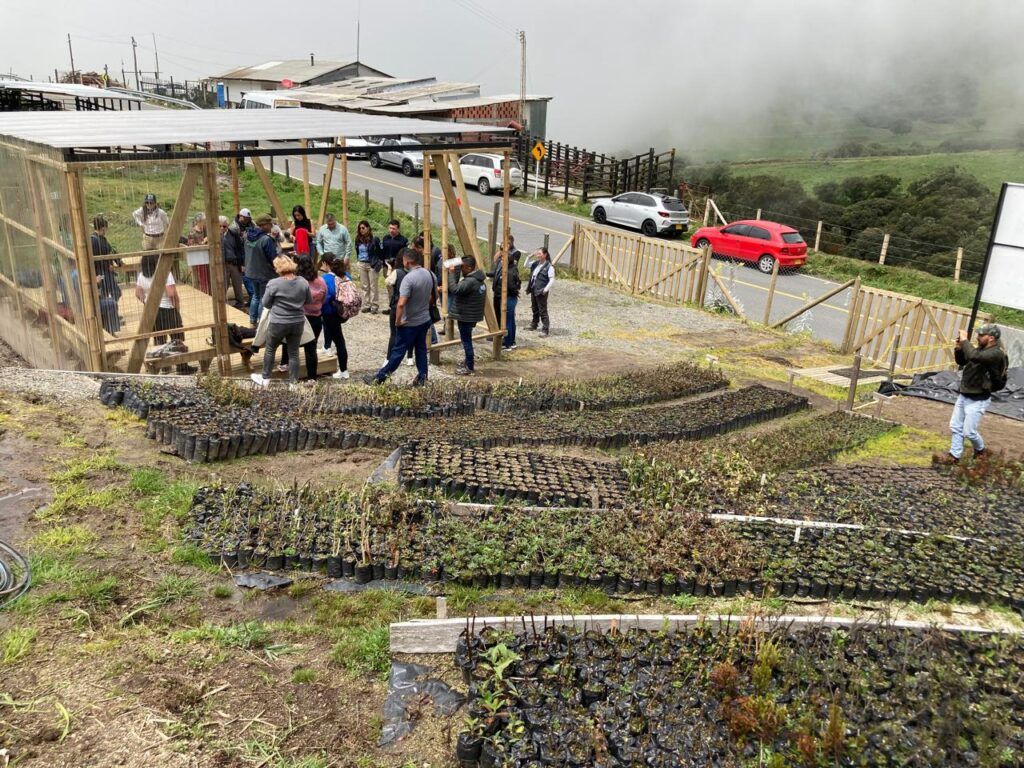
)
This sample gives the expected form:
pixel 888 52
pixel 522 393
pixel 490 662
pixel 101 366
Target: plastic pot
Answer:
pixel 363 573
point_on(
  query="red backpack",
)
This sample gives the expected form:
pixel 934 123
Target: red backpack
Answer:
pixel 347 300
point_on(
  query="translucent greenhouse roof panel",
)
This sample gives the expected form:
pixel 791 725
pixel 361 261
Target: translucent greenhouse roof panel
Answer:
pixel 152 128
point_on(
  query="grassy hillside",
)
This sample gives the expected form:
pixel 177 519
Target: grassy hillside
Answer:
pixel 991 167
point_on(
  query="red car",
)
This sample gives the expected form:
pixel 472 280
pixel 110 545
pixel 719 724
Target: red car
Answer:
pixel 755 240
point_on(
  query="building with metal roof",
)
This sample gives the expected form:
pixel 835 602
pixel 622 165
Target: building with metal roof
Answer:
pixel 277 75
pixel 31 96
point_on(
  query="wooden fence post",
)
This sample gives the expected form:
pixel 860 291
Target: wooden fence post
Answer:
pixel 851 396
pixel 366 202
pixel 415 220
pixel 758 216
pixel 959 261
pixel 771 290
pixel 391 208
pixel 852 315
pixel 817 239
pixel 707 210
pixel 287 170
pixel 885 249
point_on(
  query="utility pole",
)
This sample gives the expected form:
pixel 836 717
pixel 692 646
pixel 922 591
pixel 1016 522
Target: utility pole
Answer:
pixel 72 54
pixel 106 76
pixel 522 76
pixel 135 58
pixel 156 57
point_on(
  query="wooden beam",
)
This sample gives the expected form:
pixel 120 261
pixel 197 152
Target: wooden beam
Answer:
pixel 233 165
pixel 727 295
pixel 217 289
pixel 10 258
pixel 814 303
pixel 461 219
pixel 568 244
pixel 306 198
pixel 326 190
pixel 442 635
pixel 50 295
pixel 344 184
pixel 268 187
pixel 506 232
pixel 86 271
pixel 165 261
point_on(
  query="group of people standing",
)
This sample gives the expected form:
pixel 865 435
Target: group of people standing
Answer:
pixel 298 273
pixel 330 256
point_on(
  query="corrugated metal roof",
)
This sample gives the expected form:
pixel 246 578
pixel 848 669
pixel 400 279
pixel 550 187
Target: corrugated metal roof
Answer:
pixel 68 130
pixel 296 70
pixel 66 89
pixel 446 104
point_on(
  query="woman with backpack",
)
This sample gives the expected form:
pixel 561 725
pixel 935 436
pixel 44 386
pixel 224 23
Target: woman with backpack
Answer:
pixel 312 311
pixel 343 285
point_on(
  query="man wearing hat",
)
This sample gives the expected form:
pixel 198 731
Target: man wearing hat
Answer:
pixel 233 247
pixel 984 372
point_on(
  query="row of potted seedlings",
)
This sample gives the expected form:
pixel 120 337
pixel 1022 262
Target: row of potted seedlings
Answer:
pixel 648 550
pixel 868 695
pixel 640 386
pixel 510 474
pixel 210 431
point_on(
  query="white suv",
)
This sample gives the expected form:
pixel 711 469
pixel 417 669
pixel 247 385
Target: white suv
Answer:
pixel 653 214
pixel 485 172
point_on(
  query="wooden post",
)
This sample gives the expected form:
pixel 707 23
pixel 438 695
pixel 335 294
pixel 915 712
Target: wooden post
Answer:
pixel 853 313
pixel 491 245
pixel 817 239
pixel 702 280
pixel 10 258
pixel 325 192
pixel 307 201
pixel 391 208
pixel 287 169
pixel 707 210
pixel 87 286
pixel 498 341
pixel 268 187
pixel 851 396
pixel 885 249
pixel 547 240
pixel 771 288
pixel 959 261
pixel 758 217
pixel 895 353
pixel 426 232
pixel 233 163
pixel 344 184
pixel 366 203
pixel 493 240
pixel 416 220
pixel 164 263
pixel 217 289
pixel 449 324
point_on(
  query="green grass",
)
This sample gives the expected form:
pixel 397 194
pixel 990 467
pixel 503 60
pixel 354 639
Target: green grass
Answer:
pixel 160 501
pixel 907 446
pixel 303 676
pixel 906 280
pixel 16 643
pixel 66 541
pixel 245 635
pixel 223 591
pixel 991 167
pixel 364 650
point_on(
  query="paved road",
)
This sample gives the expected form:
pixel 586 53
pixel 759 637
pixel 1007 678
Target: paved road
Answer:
pixel 530 223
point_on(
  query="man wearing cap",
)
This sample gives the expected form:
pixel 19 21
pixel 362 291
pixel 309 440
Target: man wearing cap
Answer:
pixel 982 365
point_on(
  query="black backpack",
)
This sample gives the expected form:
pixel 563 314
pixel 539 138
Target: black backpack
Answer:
pixel 998 376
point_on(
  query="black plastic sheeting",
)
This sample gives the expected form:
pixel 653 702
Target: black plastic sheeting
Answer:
pixel 409 691
pixel 944 386
pixel 261 580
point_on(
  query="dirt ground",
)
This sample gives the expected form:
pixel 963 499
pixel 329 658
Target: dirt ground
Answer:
pixel 1001 434
pixel 132 650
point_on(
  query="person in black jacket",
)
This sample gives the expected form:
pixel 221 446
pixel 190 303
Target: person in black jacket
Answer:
pixel 982 365
pixel 232 245
pixel 106 279
pixel 392 244
pixel 515 283
pixel 470 293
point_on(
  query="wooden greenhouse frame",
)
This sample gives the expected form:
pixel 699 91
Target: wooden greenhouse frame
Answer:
pixel 50 304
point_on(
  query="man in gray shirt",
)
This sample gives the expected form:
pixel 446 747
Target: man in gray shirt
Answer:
pixel 412 319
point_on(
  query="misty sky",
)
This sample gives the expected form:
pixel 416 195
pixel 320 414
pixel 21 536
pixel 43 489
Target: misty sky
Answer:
pixel 622 74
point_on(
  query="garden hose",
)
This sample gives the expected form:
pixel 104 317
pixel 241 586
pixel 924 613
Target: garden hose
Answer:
pixel 15 574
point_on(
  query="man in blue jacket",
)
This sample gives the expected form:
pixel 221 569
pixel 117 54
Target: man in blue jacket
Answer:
pixel 260 252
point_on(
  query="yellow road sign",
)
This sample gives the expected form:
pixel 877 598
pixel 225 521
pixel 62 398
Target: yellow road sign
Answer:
pixel 538 151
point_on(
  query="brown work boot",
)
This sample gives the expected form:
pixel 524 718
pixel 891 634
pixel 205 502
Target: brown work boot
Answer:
pixel 945 460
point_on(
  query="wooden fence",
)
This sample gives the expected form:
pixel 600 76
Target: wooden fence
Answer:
pixel 665 270
pixel 569 170
pixel 921 333
pixel 879 323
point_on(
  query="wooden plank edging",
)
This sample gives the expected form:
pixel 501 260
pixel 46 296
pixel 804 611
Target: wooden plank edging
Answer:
pixel 442 635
